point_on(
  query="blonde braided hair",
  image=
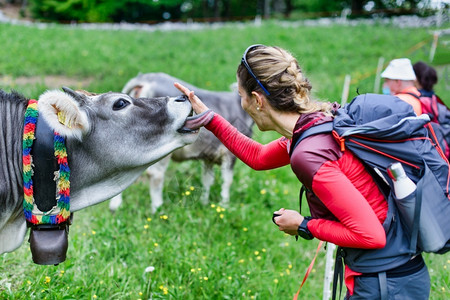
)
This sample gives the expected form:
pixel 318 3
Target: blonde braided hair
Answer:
pixel 281 75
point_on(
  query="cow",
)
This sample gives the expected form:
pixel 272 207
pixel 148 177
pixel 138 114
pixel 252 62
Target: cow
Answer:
pixel 207 148
pixel 111 139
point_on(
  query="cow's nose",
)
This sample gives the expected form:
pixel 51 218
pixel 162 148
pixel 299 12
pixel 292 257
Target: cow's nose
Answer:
pixel 181 98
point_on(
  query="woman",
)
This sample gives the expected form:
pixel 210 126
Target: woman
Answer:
pixel 426 78
pixel 346 205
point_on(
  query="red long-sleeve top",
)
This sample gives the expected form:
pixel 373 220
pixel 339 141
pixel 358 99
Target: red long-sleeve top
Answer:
pixel 346 204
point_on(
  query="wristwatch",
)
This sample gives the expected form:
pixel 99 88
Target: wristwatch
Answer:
pixel 303 229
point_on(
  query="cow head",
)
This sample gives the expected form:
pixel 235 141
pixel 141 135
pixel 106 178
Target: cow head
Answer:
pixel 112 137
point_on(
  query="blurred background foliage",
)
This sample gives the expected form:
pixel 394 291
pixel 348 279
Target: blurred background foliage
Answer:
pixel 213 10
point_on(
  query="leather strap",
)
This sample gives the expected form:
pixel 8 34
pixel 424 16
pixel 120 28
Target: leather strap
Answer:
pixel 45 165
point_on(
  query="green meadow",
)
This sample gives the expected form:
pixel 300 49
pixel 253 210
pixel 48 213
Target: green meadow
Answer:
pixel 187 250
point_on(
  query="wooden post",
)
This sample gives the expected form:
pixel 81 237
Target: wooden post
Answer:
pixel 439 14
pixel 328 278
pixel 434 45
pixel 345 90
pixel 376 86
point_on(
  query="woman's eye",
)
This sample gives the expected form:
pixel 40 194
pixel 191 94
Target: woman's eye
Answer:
pixel 121 103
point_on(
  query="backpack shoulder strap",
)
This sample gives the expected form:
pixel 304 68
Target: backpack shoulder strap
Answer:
pixel 412 94
pixel 322 128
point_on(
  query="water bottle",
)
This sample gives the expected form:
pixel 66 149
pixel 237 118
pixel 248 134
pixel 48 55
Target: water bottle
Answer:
pixel 403 185
pixel 430 234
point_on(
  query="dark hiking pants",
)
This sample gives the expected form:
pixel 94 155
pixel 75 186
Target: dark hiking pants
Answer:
pixel 414 286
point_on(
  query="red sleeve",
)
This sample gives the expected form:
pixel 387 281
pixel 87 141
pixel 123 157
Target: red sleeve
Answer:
pixel 255 155
pixel 358 226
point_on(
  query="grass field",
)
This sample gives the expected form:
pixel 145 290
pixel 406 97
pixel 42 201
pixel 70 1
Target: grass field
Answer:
pixel 195 251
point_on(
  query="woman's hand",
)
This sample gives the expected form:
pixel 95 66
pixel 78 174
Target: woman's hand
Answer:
pixel 288 220
pixel 197 105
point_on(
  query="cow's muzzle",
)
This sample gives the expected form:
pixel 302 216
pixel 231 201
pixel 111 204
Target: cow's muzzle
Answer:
pixel 193 123
pixel 49 243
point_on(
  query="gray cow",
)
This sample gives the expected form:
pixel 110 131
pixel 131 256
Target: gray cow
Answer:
pixel 111 139
pixel 206 148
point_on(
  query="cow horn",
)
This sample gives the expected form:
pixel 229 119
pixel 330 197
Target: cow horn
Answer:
pixel 75 95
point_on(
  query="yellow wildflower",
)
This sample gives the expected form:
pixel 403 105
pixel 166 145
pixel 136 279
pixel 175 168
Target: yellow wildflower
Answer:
pixel 263 191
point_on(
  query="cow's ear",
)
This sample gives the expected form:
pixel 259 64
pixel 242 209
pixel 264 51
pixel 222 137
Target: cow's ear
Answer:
pixel 63 113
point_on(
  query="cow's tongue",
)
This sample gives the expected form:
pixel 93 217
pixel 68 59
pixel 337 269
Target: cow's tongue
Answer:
pixel 195 122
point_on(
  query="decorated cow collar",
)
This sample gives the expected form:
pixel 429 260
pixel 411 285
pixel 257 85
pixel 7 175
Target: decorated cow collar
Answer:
pixel 60 213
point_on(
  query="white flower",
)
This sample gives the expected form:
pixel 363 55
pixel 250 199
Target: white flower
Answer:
pixel 149 269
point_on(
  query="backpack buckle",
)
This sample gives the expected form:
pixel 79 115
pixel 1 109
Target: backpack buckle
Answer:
pixel 339 140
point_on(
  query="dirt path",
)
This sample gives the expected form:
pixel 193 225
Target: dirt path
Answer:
pixel 51 81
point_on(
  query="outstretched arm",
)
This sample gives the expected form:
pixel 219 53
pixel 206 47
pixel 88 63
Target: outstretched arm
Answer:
pixel 257 156
pixel 252 153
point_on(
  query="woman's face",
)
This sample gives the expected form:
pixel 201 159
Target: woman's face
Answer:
pixel 251 106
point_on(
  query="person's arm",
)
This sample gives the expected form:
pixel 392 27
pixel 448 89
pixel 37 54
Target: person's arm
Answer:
pixel 358 226
pixel 252 153
pixel 255 155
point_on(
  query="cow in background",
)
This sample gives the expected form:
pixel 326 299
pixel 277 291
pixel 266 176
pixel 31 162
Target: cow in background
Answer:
pixel 207 148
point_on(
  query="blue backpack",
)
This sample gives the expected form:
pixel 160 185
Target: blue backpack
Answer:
pixel 381 130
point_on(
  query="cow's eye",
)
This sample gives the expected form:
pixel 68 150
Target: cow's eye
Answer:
pixel 120 103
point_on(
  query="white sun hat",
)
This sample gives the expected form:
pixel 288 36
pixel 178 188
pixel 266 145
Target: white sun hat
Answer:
pixel 400 68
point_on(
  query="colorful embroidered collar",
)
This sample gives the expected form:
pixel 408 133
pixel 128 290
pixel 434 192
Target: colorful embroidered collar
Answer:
pixel 32 214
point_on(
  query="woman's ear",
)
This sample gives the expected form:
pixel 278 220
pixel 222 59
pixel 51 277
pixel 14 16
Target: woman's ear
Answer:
pixel 259 99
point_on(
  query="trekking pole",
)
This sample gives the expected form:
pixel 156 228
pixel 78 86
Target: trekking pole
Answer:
pixel 328 271
pixel 345 89
pixel 376 86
